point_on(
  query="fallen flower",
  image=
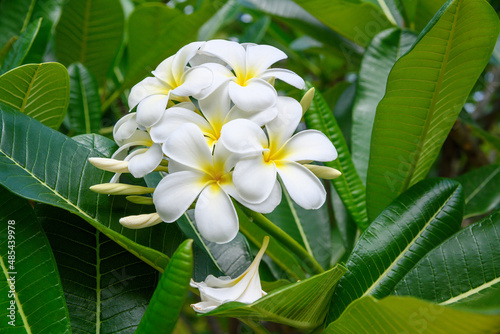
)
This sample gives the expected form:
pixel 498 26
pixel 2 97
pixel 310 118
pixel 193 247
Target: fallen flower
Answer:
pixel 245 288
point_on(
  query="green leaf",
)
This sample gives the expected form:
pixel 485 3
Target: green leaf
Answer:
pixel 481 190
pixel 310 228
pixel 230 259
pixel 303 304
pixel 357 20
pixel 349 186
pixel 29 269
pixel 425 92
pixel 101 144
pixel 278 254
pixel 156 32
pixel 414 223
pixel 21 47
pixel 90 32
pixel 167 301
pixel 425 11
pixel 394 315
pixel 84 110
pixel 44 165
pixel 464 270
pixel 377 62
pixel 107 288
pixel 38 90
pixel 16 15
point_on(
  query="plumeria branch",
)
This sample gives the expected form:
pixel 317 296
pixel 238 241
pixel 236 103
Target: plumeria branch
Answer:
pixel 287 241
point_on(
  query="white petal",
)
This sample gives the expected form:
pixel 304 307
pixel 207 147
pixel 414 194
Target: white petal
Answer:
pixel 285 75
pixel 310 145
pixel 260 118
pixel 216 106
pixel 221 75
pixel 205 307
pixel 187 146
pixel 267 206
pixel 281 128
pixel 302 185
pixel 164 72
pixel 176 192
pixel 254 179
pixel 261 57
pixel 124 128
pixel 256 95
pixel 182 57
pixel 244 137
pixel 194 81
pixel 202 59
pixel 215 215
pixel 172 119
pixel 147 87
pixel 145 163
pixel 151 109
pixel 223 158
pixel 230 52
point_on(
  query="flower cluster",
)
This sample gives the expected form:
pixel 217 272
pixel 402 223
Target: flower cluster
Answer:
pixel 211 121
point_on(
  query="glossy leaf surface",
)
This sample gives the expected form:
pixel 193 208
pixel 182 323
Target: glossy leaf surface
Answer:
pixel 107 288
pixel 349 186
pixel 38 90
pixel 462 271
pixel 409 315
pixel 425 92
pixel 302 304
pixel 409 228
pixel 167 301
pixel 44 165
pixel 481 190
pixel 29 269
pixel 377 62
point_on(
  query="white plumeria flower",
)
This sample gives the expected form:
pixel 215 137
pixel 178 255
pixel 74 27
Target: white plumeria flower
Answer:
pixel 141 161
pixel 246 288
pixel 171 81
pixel 255 175
pixel 194 173
pixel 248 86
pixel 216 110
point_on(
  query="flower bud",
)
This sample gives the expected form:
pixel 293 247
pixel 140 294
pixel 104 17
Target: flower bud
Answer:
pixel 324 172
pixel 141 221
pixel 306 100
pixel 120 189
pixel 140 200
pixel 110 165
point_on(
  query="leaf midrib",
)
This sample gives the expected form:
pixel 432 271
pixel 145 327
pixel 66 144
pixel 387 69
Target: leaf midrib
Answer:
pixel 444 64
pixel 481 186
pixel 115 236
pixel 363 217
pixel 16 298
pixel 28 91
pixel 412 242
pixel 471 292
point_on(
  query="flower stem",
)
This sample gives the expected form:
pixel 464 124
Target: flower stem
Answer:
pixel 285 240
pixel 105 105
